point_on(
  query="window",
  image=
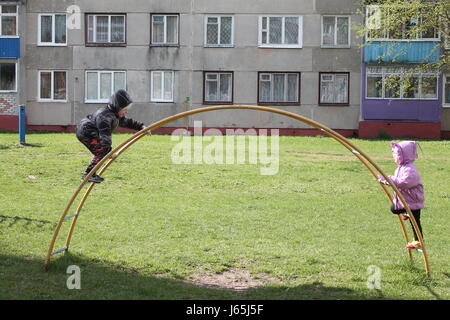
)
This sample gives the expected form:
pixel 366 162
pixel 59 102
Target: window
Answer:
pixel 100 85
pixel 52 86
pixel 161 87
pixel 396 83
pixel 164 29
pixel 218 87
pixel 446 97
pixel 281 88
pixel 334 88
pixel 8 23
pixel 105 29
pixel 375 83
pixel 378 32
pixel 335 31
pixel 52 30
pixel 8 76
pixel 219 31
pixel 279 31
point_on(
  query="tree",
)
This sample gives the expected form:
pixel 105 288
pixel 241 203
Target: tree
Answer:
pixel 393 20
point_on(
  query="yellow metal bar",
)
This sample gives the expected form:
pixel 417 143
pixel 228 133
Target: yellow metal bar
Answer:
pixel 401 198
pixel 405 205
pixel 74 221
pixel 113 154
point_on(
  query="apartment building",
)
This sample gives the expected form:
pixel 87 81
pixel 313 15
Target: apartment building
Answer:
pixel 175 55
pixel 11 66
pixel 390 99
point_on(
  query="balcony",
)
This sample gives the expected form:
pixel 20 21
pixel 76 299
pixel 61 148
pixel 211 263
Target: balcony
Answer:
pixel 402 52
pixel 10 48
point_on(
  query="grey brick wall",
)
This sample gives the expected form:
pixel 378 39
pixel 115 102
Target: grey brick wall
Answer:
pixel 8 104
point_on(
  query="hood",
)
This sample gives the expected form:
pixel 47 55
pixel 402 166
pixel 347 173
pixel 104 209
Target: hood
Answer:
pixel 119 100
pixel 407 151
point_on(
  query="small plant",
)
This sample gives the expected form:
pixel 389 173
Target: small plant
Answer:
pixel 383 135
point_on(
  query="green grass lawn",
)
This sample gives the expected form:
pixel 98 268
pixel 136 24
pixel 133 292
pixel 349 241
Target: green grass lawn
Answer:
pixel 154 229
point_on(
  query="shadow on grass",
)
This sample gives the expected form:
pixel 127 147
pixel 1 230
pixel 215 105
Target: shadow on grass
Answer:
pixel 9 221
pixel 20 145
pixel 32 145
pixel 422 279
pixel 25 278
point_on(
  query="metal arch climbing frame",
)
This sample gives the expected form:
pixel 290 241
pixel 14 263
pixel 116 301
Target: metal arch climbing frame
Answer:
pixel 113 154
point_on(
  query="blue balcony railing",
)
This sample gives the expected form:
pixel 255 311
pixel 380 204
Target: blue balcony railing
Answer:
pixel 402 51
pixel 10 48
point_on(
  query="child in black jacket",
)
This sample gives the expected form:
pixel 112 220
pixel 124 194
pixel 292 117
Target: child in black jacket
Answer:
pixel 95 130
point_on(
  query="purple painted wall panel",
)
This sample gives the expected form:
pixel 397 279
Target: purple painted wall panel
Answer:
pixel 386 109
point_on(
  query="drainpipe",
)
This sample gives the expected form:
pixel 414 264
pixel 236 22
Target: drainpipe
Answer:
pixel 188 101
pixel 22 124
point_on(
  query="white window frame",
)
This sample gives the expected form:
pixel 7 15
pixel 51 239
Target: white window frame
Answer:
pixel 282 45
pixel 17 74
pixel 9 15
pixel 219 17
pixel 335 45
pixel 386 34
pixel 165 43
pixel 445 105
pixel 94 34
pixel 52 86
pixel 52 43
pixel 152 98
pixel 230 89
pixel 333 74
pixel 99 72
pixel 286 86
pixel 384 73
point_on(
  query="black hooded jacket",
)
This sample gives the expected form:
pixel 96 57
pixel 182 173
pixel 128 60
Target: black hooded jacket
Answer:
pixel 105 120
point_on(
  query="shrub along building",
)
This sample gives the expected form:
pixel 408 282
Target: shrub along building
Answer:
pixel 64 59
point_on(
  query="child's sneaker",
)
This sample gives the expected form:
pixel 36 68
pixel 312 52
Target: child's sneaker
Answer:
pixel 405 216
pixel 413 245
pixel 94 178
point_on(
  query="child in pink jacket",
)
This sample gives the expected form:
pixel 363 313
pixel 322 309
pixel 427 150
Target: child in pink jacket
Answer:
pixel 407 180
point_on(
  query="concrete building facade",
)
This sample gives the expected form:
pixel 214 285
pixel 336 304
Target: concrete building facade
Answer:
pixel 175 55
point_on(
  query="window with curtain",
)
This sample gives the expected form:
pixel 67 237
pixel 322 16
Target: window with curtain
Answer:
pixel 100 85
pixel 117 28
pixel 219 31
pixel 218 87
pixel 335 31
pixel 52 29
pixel 334 88
pixel 279 88
pixel 280 31
pixel 164 29
pixel 161 86
pixel 52 86
pixel 8 20
pixel 106 29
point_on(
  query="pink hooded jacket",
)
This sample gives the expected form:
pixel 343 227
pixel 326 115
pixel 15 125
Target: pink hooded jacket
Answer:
pixel 406 177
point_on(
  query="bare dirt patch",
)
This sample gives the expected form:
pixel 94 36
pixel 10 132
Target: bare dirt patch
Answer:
pixel 232 279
